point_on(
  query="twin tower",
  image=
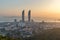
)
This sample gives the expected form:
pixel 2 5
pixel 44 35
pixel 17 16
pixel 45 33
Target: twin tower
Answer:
pixel 29 15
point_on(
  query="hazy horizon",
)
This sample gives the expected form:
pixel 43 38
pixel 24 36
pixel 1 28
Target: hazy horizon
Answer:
pixel 49 9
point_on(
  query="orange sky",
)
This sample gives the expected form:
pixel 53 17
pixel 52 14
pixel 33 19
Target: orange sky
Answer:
pixel 45 8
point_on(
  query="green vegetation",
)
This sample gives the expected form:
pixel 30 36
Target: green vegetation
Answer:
pixel 8 38
pixel 50 34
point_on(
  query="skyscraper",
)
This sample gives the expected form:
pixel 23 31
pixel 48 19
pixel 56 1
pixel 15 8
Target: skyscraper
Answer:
pixel 29 15
pixel 23 16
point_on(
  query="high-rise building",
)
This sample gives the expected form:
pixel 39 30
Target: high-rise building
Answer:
pixel 23 16
pixel 29 15
pixel 15 20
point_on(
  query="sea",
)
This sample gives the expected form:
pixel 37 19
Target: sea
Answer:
pixel 36 19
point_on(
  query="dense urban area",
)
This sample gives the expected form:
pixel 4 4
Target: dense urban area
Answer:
pixel 29 30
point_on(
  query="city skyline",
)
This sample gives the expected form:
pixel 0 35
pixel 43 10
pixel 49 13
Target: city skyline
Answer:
pixel 39 8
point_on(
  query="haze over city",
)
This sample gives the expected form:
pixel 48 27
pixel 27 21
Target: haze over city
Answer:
pixel 29 19
pixel 49 9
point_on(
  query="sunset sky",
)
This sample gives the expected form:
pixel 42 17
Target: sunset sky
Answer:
pixel 39 8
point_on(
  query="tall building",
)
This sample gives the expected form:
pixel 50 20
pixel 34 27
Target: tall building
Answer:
pixel 15 20
pixel 29 15
pixel 23 16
